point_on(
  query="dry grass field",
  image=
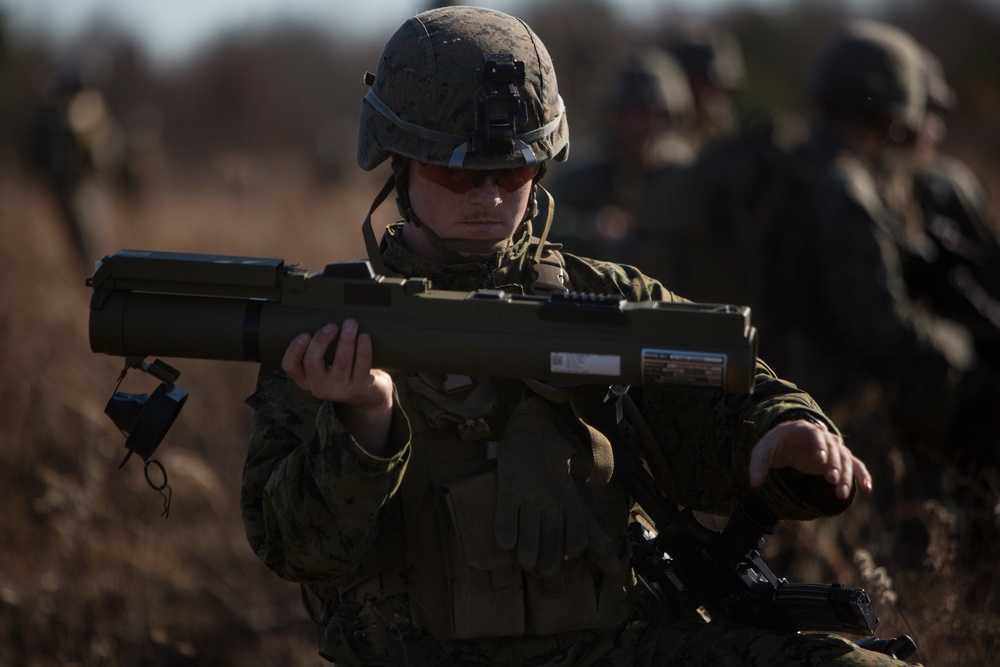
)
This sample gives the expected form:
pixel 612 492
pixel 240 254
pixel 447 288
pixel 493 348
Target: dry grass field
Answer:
pixel 91 574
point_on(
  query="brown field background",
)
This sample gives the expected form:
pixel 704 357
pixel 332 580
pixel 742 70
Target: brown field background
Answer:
pixel 92 575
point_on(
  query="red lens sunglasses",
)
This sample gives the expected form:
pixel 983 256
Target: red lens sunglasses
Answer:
pixel 461 181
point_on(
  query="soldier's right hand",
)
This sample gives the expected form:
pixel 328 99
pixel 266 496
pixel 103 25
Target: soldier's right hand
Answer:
pixel 362 394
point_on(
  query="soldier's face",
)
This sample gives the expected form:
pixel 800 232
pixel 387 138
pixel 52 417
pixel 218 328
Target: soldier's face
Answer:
pixel 492 207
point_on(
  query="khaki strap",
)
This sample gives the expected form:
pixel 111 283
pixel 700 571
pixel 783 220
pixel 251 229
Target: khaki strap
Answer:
pixel 600 465
pixel 650 448
pixel 548 208
pixel 549 271
pixel 371 243
pixel 558 395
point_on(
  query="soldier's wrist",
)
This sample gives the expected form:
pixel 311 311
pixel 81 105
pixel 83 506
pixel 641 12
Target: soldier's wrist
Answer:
pixel 800 414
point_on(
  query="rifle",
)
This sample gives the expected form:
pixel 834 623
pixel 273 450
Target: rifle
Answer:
pixel 685 568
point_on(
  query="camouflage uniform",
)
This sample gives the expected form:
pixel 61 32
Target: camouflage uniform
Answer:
pixel 398 555
pixel 960 220
pixel 839 297
pixel 962 279
pixel 317 508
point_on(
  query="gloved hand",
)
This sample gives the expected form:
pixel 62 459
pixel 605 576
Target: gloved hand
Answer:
pixel 539 509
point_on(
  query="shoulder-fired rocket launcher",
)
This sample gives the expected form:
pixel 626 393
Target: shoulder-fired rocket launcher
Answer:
pixel 248 309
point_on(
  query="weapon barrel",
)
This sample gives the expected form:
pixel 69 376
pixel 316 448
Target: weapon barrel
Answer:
pixel 249 309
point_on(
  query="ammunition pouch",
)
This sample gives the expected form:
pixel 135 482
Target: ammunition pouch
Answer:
pixel 491 596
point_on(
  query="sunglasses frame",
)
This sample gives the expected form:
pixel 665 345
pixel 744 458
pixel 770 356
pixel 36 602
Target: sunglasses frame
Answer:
pixel 461 181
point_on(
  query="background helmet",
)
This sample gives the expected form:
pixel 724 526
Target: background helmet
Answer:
pixel 874 69
pixel 465 87
pixel 708 54
pixel 652 79
pixel 940 96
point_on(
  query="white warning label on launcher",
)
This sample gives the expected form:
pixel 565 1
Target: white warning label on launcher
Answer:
pixel 575 363
pixel 689 369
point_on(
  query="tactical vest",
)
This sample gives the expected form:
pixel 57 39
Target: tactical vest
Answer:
pixel 438 544
pixel 460 584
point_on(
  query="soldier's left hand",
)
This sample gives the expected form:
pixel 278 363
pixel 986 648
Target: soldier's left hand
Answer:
pixel 812 449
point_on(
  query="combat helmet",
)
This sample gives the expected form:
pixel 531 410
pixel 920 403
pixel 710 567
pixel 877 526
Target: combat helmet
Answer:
pixel 873 69
pixel 940 95
pixel 708 54
pixel 465 87
pixel 651 78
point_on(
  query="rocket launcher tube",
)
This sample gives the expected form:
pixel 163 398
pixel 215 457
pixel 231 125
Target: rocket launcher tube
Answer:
pixel 248 309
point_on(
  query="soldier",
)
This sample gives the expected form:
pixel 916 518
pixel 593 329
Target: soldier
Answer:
pixel 711 236
pixel 886 364
pixel 610 205
pixel 713 63
pixel 74 143
pixel 962 280
pixel 434 520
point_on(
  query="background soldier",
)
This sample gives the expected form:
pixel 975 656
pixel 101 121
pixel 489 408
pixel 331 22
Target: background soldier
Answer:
pixel 962 279
pixel 75 145
pixel 610 205
pixel 444 520
pixel 902 379
pixel 713 63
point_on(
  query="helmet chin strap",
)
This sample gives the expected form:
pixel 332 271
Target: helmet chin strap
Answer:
pixel 458 249
pixel 449 246
pixel 371 243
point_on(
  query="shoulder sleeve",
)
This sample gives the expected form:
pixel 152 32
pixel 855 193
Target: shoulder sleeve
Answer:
pixel 595 276
pixel 861 286
pixel 707 438
pixel 311 496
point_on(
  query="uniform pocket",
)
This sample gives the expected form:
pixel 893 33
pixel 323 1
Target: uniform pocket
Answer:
pixel 485 582
pixel 447 400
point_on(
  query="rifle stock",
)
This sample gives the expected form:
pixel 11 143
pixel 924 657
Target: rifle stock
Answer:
pixel 249 309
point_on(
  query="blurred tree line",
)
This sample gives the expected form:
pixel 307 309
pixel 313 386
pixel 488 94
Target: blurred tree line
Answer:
pixel 292 90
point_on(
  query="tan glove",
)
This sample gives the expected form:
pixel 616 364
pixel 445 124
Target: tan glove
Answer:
pixel 539 509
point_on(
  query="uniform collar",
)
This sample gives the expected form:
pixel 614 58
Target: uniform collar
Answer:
pixel 507 267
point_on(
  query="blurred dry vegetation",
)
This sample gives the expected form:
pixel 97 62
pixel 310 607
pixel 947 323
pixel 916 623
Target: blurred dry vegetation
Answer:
pixel 247 149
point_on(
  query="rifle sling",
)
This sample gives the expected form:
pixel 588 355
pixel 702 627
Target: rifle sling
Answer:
pixel 650 447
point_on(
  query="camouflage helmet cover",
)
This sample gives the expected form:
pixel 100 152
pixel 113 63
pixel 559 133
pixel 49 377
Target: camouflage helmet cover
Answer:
pixel 874 68
pixel 423 98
